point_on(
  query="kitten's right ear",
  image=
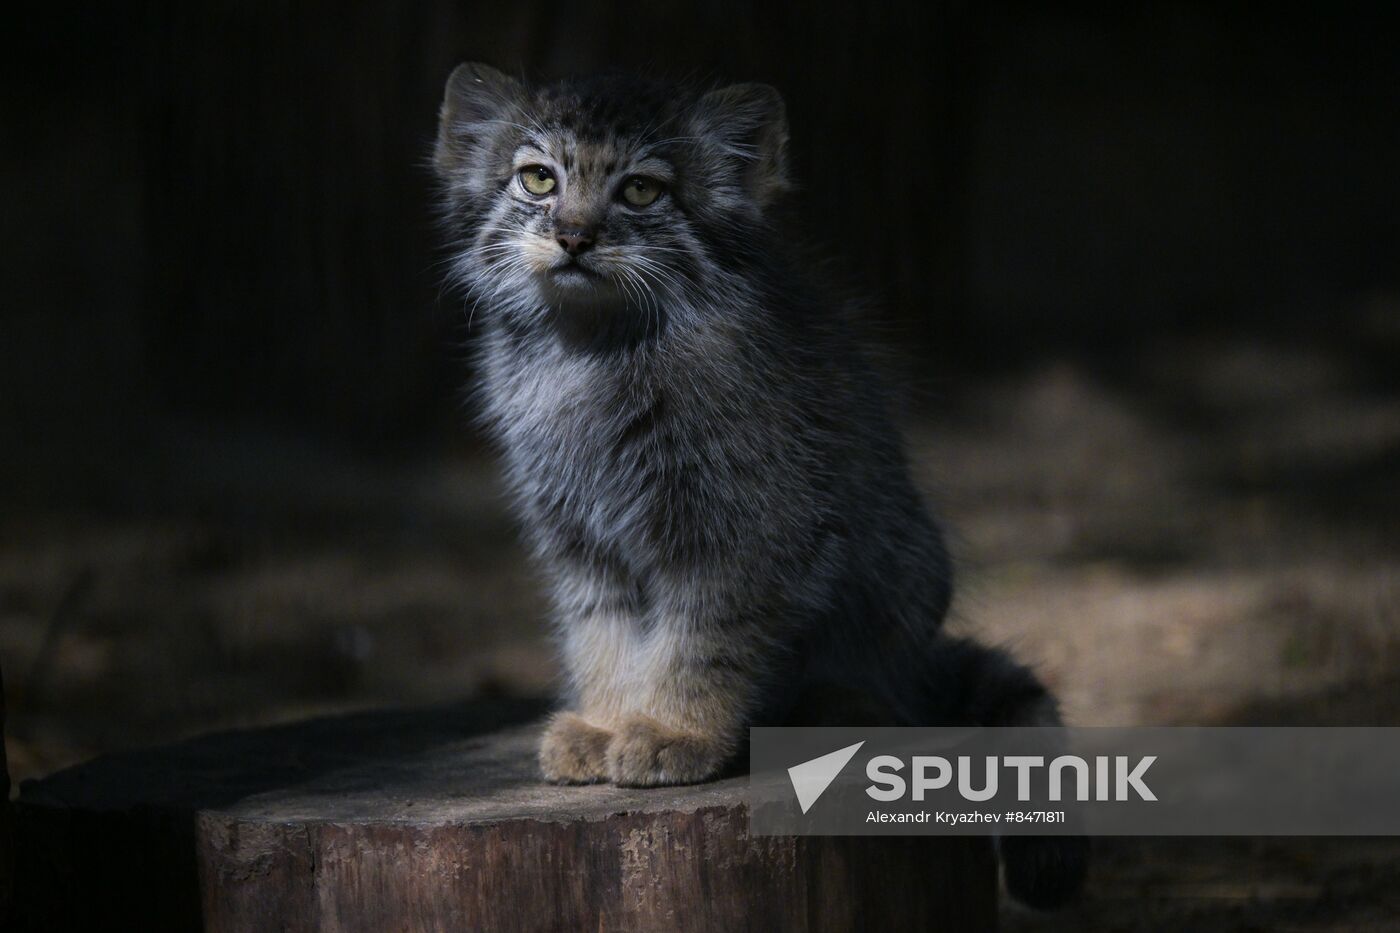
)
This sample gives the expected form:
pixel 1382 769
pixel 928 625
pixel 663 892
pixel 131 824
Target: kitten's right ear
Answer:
pixel 475 94
pixel 750 122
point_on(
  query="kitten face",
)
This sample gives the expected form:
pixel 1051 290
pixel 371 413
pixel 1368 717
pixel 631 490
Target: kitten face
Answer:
pixel 606 200
pixel 588 219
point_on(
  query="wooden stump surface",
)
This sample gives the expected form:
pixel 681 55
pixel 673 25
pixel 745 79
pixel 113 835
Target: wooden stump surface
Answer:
pixel 437 820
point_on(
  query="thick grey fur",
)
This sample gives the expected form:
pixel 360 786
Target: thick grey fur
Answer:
pixel 699 442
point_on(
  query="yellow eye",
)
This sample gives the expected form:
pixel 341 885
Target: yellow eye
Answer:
pixel 537 180
pixel 639 191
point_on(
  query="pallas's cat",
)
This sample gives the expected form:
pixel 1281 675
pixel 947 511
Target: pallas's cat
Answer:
pixel 698 444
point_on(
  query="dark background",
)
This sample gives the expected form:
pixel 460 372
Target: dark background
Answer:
pixel 224 212
pixel 1140 261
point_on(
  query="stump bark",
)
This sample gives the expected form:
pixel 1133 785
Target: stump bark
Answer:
pixel 437 820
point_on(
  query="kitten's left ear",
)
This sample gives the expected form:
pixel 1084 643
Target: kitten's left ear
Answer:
pixel 475 95
pixel 751 122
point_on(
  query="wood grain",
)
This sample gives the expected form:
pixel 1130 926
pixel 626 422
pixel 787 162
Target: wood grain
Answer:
pixel 437 820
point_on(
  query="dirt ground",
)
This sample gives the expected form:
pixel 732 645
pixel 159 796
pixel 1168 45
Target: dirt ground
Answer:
pixel 1197 531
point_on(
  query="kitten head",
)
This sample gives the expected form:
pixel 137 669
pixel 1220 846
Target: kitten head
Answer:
pixel 607 198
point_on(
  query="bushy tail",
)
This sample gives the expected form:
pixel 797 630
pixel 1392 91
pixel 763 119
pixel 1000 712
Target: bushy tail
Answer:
pixel 987 687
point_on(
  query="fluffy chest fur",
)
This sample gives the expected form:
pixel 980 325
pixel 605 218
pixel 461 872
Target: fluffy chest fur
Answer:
pixel 666 458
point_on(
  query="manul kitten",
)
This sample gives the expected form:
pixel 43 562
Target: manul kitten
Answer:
pixel 697 441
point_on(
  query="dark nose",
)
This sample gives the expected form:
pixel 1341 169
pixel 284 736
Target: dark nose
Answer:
pixel 575 239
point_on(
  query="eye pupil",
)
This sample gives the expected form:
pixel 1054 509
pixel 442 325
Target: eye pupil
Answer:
pixel 537 180
pixel 640 192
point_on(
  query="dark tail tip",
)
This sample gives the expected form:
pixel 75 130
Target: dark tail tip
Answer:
pixel 1044 872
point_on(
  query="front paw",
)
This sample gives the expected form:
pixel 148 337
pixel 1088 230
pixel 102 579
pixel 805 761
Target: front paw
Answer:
pixel 573 751
pixel 644 753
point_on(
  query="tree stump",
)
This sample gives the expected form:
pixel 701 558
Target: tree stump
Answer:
pixel 437 820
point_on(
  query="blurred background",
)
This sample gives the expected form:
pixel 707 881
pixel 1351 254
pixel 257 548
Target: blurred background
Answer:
pixel 1142 262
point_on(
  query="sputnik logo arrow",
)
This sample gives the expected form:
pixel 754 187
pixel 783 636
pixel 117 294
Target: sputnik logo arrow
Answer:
pixel 811 778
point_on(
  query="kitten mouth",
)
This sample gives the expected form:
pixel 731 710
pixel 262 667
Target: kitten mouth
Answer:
pixel 575 285
pixel 573 271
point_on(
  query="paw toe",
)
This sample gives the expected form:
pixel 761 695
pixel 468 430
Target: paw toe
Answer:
pixel 645 753
pixel 573 751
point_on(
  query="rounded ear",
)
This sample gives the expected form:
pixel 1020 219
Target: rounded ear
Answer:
pixel 750 122
pixel 475 94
